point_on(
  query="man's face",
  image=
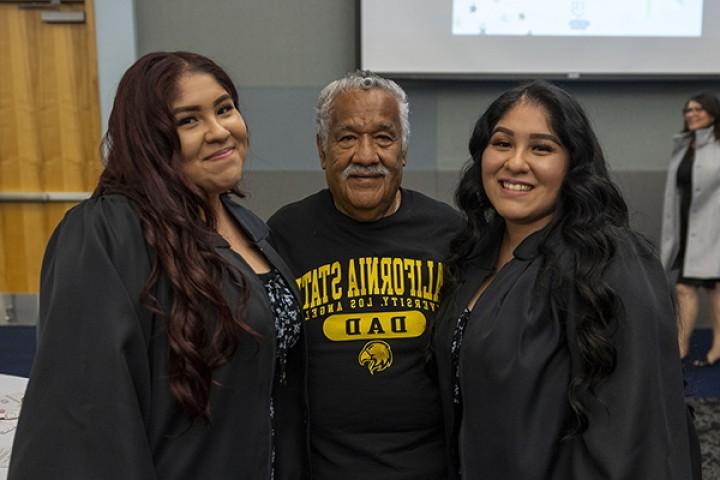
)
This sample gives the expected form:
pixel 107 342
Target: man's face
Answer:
pixel 363 158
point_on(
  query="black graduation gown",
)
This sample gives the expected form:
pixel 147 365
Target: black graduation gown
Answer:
pixel 516 364
pixel 98 404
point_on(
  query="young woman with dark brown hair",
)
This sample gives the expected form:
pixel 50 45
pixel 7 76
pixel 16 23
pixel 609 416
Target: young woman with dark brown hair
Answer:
pixel 169 328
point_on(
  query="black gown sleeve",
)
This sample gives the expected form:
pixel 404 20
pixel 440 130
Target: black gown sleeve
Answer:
pixel 638 423
pixel 87 401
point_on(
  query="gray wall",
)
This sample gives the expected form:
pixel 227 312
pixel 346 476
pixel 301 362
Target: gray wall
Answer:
pixel 281 54
pixel 116 46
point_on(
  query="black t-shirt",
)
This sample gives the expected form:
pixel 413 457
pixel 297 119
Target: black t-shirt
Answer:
pixel 369 291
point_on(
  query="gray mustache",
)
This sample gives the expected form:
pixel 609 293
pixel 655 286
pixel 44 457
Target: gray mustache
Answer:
pixel 353 169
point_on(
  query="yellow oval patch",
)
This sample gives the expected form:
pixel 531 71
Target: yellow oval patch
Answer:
pixel 371 325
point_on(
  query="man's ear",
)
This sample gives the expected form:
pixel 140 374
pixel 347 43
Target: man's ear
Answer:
pixel 321 151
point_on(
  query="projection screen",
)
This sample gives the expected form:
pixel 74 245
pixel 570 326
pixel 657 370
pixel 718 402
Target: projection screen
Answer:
pixel 551 38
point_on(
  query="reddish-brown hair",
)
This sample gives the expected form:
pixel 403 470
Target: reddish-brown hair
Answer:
pixel 143 163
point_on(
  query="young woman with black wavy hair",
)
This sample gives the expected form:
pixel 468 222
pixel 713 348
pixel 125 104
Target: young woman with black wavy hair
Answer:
pixel 556 349
pixel 169 328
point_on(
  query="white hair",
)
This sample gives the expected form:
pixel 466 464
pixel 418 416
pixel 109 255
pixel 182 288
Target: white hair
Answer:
pixel 360 80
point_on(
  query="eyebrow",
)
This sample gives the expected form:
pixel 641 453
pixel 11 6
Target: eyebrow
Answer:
pixel 541 136
pixel 195 108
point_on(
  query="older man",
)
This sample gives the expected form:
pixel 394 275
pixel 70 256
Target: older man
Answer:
pixel 368 255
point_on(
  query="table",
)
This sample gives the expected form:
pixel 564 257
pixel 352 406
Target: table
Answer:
pixel 11 391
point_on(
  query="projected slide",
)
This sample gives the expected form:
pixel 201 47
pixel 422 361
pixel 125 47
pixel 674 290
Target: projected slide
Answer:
pixel 592 18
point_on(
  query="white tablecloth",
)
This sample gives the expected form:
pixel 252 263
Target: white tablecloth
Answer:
pixel 11 392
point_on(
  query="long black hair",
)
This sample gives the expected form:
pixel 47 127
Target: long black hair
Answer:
pixel 589 215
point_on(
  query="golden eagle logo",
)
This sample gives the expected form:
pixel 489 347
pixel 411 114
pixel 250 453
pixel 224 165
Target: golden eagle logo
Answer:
pixel 376 355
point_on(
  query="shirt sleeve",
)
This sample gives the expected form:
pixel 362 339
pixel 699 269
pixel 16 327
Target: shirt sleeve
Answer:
pixel 87 402
pixel 638 423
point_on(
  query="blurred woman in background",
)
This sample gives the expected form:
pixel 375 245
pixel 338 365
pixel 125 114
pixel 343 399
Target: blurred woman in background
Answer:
pixel 690 244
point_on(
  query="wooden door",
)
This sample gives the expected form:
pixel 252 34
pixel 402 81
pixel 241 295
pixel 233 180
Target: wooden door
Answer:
pixel 49 130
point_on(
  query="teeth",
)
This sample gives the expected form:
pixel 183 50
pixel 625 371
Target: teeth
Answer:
pixel 518 187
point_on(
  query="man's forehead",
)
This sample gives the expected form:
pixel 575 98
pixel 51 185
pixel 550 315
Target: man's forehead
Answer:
pixel 363 122
pixel 375 108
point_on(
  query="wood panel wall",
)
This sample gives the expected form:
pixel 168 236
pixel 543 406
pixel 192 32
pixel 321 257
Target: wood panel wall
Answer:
pixel 49 131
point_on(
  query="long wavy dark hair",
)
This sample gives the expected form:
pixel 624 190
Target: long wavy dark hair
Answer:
pixel 711 105
pixel 144 164
pixel 590 214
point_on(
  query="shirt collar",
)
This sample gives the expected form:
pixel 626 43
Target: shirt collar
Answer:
pixel 530 247
pixel 702 137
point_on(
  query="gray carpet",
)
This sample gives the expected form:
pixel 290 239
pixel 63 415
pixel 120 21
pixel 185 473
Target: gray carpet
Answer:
pixel 707 423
